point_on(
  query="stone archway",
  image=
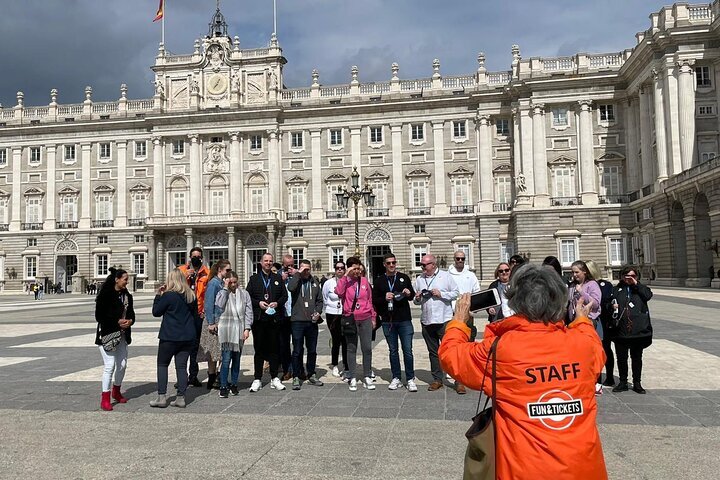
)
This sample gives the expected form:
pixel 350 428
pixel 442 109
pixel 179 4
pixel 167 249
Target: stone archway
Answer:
pixel 66 264
pixel 704 258
pixel 678 243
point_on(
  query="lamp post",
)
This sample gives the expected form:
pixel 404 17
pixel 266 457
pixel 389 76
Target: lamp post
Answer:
pixel 355 193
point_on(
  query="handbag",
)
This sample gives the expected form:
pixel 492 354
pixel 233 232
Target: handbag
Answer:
pixel 480 453
pixel 347 322
pixel 112 340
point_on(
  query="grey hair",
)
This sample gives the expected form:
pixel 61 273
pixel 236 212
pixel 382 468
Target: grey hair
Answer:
pixel 537 293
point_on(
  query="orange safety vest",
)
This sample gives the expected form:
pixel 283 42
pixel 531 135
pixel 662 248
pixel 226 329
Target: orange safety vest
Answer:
pixel 200 285
pixel 546 415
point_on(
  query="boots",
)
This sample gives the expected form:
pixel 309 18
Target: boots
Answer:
pixel 117 396
pixel 161 402
pixel 105 402
pixel 211 380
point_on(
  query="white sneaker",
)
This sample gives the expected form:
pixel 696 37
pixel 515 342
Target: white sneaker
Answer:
pixel 395 384
pixel 411 385
pixel 447 376
pixel 372 374
pixel 352 385
pixel 369 384
pixel 598 389
pixel 335 371
pixel 256 385
pixel 346 376
pixel 276 384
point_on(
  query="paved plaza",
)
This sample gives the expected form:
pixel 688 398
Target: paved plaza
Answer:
pixel 52 425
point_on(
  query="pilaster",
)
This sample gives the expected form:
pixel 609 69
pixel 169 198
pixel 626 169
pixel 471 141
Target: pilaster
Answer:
pixel 542 199
pixel 485 182
pixel 232 252
pixel 236 173
pixel 122 194
pixel 50 190
pixel 15 219
pixel 441 206
pixel 647 170
pixel 316 183
pixel 398 204
pixel 588 174
pixel 631 145
pixel 86 195
pixel 660 140
pixel 196 176
pixel 275 172
pixel 189 241
pixel 686 102
pixel 158 178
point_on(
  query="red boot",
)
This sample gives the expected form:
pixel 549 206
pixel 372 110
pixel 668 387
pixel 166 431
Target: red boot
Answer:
pixel 105 402
pixel 117 395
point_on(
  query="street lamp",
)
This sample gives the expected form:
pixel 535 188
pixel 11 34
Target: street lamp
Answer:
pixel 355 193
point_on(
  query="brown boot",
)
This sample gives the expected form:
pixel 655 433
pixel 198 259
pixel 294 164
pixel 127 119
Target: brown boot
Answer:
pixel 436 385
pixel 460 388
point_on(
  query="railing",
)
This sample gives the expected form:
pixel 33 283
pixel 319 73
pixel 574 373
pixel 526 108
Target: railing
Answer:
pixel 419 211
pixel 296 93
pixel 8 113
pixel 377 212
pixel 140 104
pixel 297 215
pixel 407 85
pixel 4 227
pixel 499 78
pixel 565 201
pixel 65 225
pixel 371 88
pixel 108 107
pixel 606 61
pixel 103 223
pixel 460 209
pixel 178 58
pixel 703 167
pixel 502 207
pixel 235 218
pixel 136 222
pixel 76 109
pixel 699 12
pixel 31 226
pixel 36 112
pixel 336 91
pixel 336 214
pixel 459 82
pixel 614 199
pixel 634 196
pixel 256 52
pixel 648 190
pixel 558 64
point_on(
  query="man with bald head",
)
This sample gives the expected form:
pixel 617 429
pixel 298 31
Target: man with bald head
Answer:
pixel 435 290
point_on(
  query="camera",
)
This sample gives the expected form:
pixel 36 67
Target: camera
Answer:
pixel 425 293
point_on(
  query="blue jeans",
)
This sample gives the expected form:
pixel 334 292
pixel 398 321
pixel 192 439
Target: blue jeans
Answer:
pixel 404 331
pixel 228 357
pixel 307 331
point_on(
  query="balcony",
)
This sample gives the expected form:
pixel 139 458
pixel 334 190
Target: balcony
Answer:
pixel 103 223
pixel 634 196
pixel 66 225
pixel 614 199
pixel 461 209
pixel 4 227
pixel 136 222
pixel 565 201
pixel 377 212
pixel 502 207
pixel 648 190
pixel 31 226
pixel 336 214
pixel 297 215
pixel 204 220
pixel 419 211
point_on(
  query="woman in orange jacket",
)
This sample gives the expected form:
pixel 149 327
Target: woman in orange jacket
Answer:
pixel 545 418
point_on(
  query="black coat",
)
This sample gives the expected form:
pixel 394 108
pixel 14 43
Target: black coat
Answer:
pixel 109 309
pixel 607 292
pixel 401 308
pixel 633 314
pixel 276 293
pixel 180 319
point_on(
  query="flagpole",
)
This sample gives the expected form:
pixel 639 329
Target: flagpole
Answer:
pixel 163 26
pixel 275 17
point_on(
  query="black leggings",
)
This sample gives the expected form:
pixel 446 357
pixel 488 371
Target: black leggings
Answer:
pixel 635 347
pixel 338 339
pixel 265 342
pixel 610 361
pixel 181 352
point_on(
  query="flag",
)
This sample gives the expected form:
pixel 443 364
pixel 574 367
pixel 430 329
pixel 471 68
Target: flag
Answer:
pixel 160 11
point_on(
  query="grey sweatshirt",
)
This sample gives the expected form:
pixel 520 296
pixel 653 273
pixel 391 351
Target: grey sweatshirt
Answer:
pixel 304 292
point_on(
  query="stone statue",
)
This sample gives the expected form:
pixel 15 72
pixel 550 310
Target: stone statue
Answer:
pixel 520 183
pixel 194 86
pixel 159 88
pixel 273 80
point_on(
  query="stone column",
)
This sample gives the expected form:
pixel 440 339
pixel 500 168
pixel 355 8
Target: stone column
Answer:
pixel 122 194
pixel 398 203
pixel 672 115
pixel 152 257
pixel 275 171
pixel 686 98
pixel 660 145
pixel 525 181
pixel 189 241
pixel 15 219
pixel 517 149
pixel 158 178
pixel 272 245
pixel 196 177
pixel 316 183
pixel 232 253
pixel 441 206
pixel 542 198
pixel 631 146
pixel 485 182
pixel 86 195
pixel 162 267
pixel 50 194
pixel 646 159
pixel 236 173
pixel 588 173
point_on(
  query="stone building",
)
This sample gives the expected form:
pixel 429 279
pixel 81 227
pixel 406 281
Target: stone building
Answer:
pixel 610 157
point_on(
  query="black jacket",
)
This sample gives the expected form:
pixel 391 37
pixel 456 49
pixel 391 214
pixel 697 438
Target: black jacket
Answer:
pixel 276 293
pixel 607 292
pixel 633 314
pixel 401 308
pixel 179 318
pixel 109 309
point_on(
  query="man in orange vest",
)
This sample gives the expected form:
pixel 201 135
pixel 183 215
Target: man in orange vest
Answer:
pixel 197 275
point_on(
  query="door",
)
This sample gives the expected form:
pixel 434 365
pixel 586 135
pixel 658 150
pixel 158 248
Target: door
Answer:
pixel 253 256
pixel 375 254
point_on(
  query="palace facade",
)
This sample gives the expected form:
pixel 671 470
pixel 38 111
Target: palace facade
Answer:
pixel 610 157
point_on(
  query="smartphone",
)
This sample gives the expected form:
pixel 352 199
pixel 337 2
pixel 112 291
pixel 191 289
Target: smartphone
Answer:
pixel 485 299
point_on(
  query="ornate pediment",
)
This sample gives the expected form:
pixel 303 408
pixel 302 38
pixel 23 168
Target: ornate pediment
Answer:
pixel 610 157
pixel 69 190
pixel 376 176
pixel 216 161
pixel 140 187
pixel 32 191
pixel 3 193
pixel 503 168
pixel 562 160
pixel 297 179
pixel 336 178
pixel 104 189
pixel 460 172
pixel 418 172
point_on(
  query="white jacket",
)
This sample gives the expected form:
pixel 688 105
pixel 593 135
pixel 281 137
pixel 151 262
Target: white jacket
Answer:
pixel 466 280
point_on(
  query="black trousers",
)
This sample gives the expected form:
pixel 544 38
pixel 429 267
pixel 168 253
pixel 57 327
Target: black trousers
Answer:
pixel 194 367
pixel 610 361
pixel 635 347
pixel 284 342
pixel 265 341
pixel 339 342
pixel 166 351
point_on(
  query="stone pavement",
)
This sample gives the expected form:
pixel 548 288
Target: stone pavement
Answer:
pixel 49 395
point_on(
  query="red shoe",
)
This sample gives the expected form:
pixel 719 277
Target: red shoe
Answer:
pixel 117 395
pixel 105 402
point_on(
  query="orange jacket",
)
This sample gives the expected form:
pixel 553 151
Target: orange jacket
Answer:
pixel 200 285
pixel 546 414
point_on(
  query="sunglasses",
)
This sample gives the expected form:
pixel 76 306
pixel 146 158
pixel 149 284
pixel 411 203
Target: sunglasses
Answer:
pixel 339 268
pixel 504 270
pixel 631 276
pixel 390 263
pixel 459 259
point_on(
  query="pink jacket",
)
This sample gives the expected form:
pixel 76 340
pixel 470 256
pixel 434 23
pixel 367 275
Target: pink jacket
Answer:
pixel 346 288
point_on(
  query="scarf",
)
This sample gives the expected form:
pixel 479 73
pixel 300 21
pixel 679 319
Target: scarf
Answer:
pixel 231 322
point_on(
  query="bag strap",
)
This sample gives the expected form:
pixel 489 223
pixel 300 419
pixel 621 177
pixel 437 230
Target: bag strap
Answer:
pixel 491 353
pixel 357 294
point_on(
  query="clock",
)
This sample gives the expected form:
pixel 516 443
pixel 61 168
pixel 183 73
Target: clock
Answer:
pixel 217 84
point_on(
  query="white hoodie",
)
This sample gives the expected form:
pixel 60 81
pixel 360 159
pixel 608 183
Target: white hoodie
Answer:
pixel 466 281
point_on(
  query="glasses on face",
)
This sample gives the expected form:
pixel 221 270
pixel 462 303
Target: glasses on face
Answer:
pixel 631 276
pixel 426 264
pixel 227 270
pixel 393 262
pixel 504 270
pixel 459 259
pixel 339 268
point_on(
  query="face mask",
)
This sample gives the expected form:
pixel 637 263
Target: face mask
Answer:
pixel 270 311
pixel 196 262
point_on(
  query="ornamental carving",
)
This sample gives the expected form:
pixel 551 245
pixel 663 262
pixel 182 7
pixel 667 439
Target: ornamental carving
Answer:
pixel 256 92
pixel 216 160
pixel 214 240
pixel 378 235
pixel 256 240
pixel 176 242
pixel 66 245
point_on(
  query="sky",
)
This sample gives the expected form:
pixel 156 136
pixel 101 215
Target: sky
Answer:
pixel 70 44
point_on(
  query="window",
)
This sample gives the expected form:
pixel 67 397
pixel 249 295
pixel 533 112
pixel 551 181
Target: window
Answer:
pixel 702 76
pixel 3 157
pixel 559 117
pixel 31 267
pixel 216 139
pixel 101 265
pixel 332 189
pixel 460 192
pixel 503 189
pixel 296 140
pixel 102 239
pixel 140 149
pixel 297 232
pixel 139 205
pixel 217 202
pixel 297 254
pixel 337 254
pixel 104 151
pixel 178 204
pixel 32 242
pixel 216 254
pixel 466 248
pixel 3 210
pixel 705 156
pixel 379 188
pixel 376 134
pixel 297 198
pixel 35 154
pixel 419 228
pixel 139 238
pixel 104 207
pixel 418 251
pixel 611 180
pixel 502 127
pixel 178 147
pixel 417 132
pixel 68 208
pixel 255 142
pixel 563 182
pixel 607 113
pixel 568 252
pixel 257 199
pixel 418 193
pixel 33 213
pixel 506 251
pixel 616 251
pixel 336 138
pixel 139 263
pixel 459 129
pixel 337 231
pixel 706 110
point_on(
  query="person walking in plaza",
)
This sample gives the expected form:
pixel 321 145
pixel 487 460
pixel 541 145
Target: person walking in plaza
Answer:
pixel 176 304
pixel 268 294
pixel 391 295
pixel 307 304
pixel 501 282
pixel 234 319
pixel 467 282
pixel 287 271
pixel 533 440
pixel 435 290
pixel 209 350
pixel 333 315
pixel 115 315
pixel 606 326
pixel 197 275
pixel 358 320
pixel 634 331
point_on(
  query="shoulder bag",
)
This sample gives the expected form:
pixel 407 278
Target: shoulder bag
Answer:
pixel 112 340
pixel 347 322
